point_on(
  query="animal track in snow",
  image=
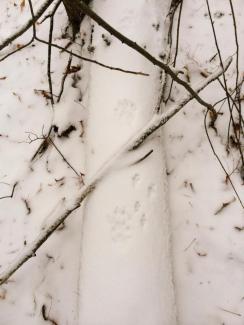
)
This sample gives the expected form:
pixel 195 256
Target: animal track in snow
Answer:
pixel 126 111
pixel 135 179
pixel 127 19
pixel 120 220
pixel 143 220
pixel 151 191
pixel 137 206
pixel 123 221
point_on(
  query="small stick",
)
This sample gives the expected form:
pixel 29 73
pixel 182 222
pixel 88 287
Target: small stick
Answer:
pixel 144 157
pixel 12 193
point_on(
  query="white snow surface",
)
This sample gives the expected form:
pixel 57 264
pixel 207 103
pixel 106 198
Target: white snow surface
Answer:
pixel 111 262
pixel 125 260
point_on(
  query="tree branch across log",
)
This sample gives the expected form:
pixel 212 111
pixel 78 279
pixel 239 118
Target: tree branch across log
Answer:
pixel 133 143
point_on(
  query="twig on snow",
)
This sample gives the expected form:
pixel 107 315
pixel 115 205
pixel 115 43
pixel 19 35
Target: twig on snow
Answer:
pixel 224 205
pixel 49 58
pixel 220 162
pixel 237 60
pixel 52 12
pixel 158 121
pixel 46 317
pixel 225 83
pixel 94 61
pixel 46 141
pixel 176 48
pixel 12 193
pixel 143 157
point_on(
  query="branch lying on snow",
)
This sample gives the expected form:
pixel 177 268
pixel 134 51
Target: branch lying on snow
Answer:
pixel 133 143
pixel 43 236
pixel 144 53
pixel 12 193
pixel 28 25
pixel 160 120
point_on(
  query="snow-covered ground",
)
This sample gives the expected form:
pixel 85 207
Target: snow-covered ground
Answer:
pixel 110 263
pixel 125 261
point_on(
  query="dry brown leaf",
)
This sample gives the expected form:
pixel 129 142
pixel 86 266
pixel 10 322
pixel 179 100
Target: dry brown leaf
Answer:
pixel 22 5
pixel 18 46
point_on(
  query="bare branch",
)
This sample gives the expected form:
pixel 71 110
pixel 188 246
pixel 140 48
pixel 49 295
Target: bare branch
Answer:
pixel 144 53
pixel 93 61
pixel 163 118
pixel 220 162
pixel 176 51
pixel 225 84
pixel 48 140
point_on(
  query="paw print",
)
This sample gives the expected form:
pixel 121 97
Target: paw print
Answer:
pixel 120 221
pixel 126 111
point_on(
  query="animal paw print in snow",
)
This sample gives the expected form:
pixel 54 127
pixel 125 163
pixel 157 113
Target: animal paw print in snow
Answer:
pixel 126 111
pixel 120 221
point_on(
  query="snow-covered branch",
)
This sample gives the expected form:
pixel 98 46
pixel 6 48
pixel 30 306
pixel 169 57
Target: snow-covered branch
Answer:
pixel 160 120
pixel 133 143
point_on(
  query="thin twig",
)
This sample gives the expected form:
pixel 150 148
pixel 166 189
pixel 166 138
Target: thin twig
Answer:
pixel 93 61
pixel 230 312
pixel 224 78
pixel 176 48
pixel 49 60
pixel 53 11
pixel 143 157
pixel 47 140
pixel 64 78
pixel 68 163
pixel 162 119
pixel 220 162
pixel 12 193
pixel 224 205
pixel 238 89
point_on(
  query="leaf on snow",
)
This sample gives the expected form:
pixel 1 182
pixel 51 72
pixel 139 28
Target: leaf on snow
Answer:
pixel 22 5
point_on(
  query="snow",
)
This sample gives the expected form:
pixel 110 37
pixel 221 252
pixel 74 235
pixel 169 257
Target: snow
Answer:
pixel 125 265
pixel 111 261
